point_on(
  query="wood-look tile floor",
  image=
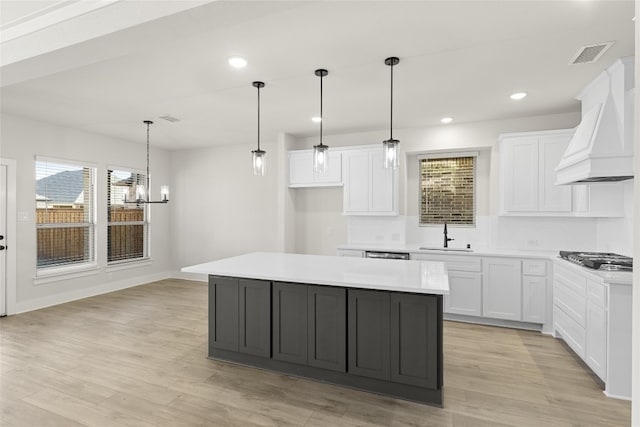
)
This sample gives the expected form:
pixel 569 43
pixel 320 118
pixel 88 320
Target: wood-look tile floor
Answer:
pixel 137 357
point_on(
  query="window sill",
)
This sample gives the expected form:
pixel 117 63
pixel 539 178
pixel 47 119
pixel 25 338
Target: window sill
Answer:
pixel 64 273
pixel 125 265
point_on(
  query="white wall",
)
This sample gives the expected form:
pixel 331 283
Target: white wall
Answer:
pixel 22 140
pixel 220 208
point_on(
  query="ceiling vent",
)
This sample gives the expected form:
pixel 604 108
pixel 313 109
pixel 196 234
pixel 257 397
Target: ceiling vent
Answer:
pixel 170 118
pixel 590 53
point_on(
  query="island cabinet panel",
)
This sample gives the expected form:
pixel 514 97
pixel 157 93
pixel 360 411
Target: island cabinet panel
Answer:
pixel 255 317
pixel 223 309
pixel 327 327
pixel 369 329
pixel 290 322
pixel 415 347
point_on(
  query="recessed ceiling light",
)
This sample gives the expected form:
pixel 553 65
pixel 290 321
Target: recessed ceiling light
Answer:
pixel 316 119
pixel 446 119
pixel 518 95
pixel 237 61
pixel 633 19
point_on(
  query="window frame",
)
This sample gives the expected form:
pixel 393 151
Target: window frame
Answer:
pixel 447 155
pixel 146 223
pixel 71 268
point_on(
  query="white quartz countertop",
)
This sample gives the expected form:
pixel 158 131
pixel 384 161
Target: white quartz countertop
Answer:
pixel 424 277
pixel 610 277
pixel 480 251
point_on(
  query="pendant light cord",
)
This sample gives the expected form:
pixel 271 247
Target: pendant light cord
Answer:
pixel 391 114
pixel 148 180
pixel 258 118
pixel 321 118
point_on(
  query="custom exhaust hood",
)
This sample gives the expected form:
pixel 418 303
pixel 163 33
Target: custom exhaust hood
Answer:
pixel 602 147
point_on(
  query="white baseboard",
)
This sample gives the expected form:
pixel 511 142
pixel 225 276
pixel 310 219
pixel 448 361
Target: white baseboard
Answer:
pixel 177 274
pixel 492 322
pixel 615 396
pixel 48 301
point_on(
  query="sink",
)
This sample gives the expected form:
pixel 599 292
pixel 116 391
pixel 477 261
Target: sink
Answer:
pixel 433 248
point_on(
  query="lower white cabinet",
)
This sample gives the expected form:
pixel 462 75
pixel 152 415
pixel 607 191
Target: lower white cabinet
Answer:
pixel 596 328
pixel 502 288
pixel 594 319
pixel 350 252
pixel 534 298
pixel 465 293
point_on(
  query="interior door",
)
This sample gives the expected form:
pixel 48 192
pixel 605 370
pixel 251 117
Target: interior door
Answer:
pixel 3 244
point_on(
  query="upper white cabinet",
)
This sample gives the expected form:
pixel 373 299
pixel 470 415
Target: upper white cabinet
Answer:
pixel 301 170
pixel 369 188
pixel 528 162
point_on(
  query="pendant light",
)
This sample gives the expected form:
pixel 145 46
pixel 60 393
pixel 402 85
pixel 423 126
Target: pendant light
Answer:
pixel 321 151
pixel 143 191
pixel 259 159
pixel 390 146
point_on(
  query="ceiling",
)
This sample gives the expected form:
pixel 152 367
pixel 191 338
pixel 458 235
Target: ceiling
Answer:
pixel 457 58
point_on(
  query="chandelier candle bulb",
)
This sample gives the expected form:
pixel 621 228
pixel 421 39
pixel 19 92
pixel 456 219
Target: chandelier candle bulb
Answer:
pixel 164 193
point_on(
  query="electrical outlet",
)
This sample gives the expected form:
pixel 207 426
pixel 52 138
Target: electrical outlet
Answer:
pixel 532 243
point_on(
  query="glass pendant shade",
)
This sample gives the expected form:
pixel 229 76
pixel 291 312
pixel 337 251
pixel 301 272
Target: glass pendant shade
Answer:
pixel 320 158
pixel 259 162
pixel 390 149
pixel 258 156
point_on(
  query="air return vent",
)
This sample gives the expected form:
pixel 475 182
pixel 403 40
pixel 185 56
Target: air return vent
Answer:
pixel 170 118
pixel 590 53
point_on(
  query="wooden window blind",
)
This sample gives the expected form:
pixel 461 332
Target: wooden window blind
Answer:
pixel 447 190
pixel 128 225
pixel 65 213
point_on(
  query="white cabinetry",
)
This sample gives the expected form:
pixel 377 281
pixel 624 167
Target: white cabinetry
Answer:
pixel 594 318
pixel 534 291
pixel 528 162
pixel 301 170
pixel 502 288
pixel 369 188
pixel 350 252
pixel 465 283
pixel 596 328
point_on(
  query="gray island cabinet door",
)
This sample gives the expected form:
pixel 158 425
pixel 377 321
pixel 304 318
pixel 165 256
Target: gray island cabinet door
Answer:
pixel 223 313
pixel 368 319
pixel 327 328
pixel 290 322
pixel 414 340
pixel 255 317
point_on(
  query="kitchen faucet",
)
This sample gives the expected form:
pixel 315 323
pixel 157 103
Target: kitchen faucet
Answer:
pixel 446 239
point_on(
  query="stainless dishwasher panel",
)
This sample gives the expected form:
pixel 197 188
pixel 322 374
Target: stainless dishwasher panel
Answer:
pixel 386 255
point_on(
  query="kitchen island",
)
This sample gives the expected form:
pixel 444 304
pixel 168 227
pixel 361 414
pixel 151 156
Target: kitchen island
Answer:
pixel 370 324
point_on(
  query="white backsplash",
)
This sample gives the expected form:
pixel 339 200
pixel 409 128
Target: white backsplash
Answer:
pixel 377 230
pixel 493 232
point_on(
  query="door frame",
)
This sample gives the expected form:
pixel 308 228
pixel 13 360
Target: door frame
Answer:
pixel 10 279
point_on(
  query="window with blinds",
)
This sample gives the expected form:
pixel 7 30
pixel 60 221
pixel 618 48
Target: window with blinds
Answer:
pixel 128 225
pixel 447 190
pixel 65 214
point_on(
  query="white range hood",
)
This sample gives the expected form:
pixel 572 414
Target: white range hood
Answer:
pixel 602 148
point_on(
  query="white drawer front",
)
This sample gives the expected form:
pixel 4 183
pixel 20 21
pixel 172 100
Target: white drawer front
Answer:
pixel 573 303
pixel 534 267
pixel 572 333
pixel 597 293
pixel 454 262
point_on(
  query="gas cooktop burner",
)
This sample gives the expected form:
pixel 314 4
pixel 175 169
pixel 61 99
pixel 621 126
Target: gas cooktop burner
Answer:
pixel 599 260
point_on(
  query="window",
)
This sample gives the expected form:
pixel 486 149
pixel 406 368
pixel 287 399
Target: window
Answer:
pixel 447 189
pixel 128 225
pixel 65 214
